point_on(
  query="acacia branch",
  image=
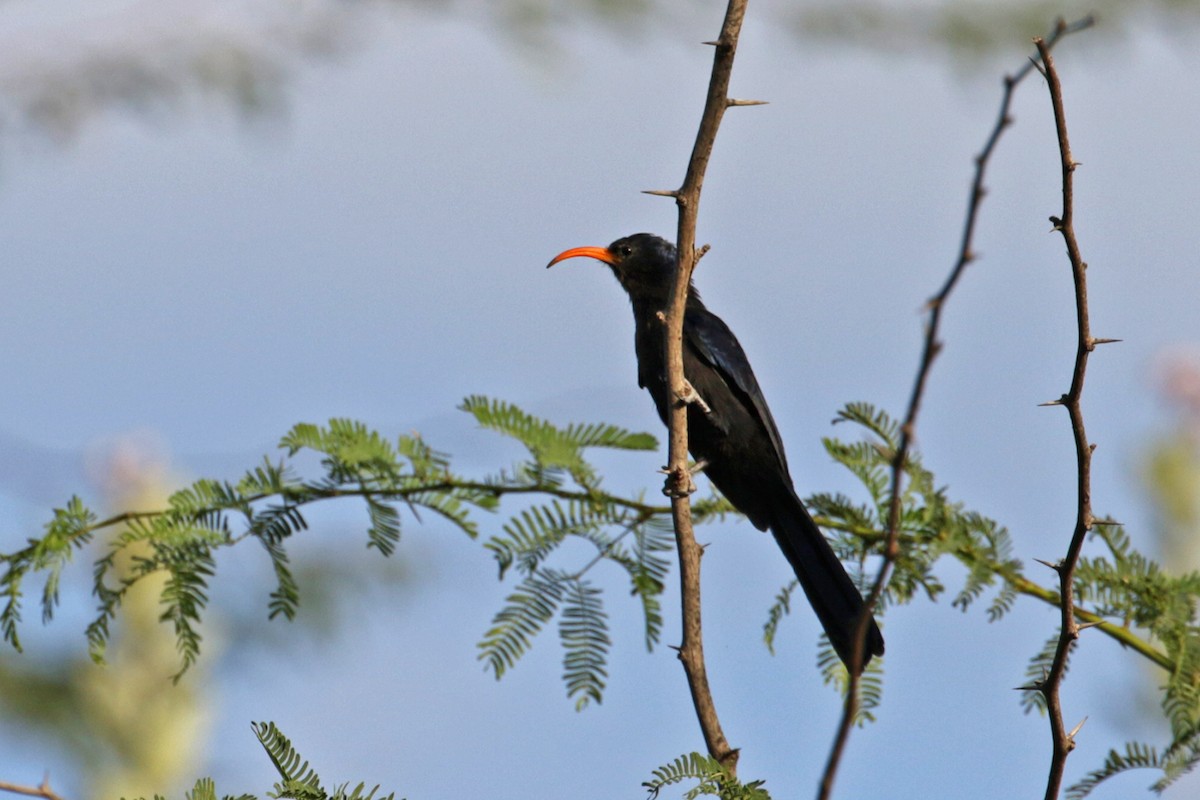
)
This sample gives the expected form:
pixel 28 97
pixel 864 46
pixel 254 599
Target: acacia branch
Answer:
pixel 43 790
pixel 929 352
pixel 679 482
pixel 1062 740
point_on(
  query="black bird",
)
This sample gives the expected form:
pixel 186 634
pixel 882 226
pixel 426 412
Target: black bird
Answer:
pixel 735 438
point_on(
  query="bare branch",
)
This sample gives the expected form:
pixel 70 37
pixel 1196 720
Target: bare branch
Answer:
pixel 932 346
pixel 43 790
pixel 1062 740
pixel 691 651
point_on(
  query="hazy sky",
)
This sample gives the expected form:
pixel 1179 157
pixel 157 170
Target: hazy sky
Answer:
pixel 372 246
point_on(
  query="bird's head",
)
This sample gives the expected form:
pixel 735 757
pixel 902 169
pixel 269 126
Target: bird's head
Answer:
pixel 643 263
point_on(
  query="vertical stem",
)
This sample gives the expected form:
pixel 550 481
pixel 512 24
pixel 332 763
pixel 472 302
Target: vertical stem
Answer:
pixel 930 349
pixel 1062 740
pixel 679 483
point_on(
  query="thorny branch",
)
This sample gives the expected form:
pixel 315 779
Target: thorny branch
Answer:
pixel 1063 741
pixel 43 790
pixel 679 483
pixel 930 349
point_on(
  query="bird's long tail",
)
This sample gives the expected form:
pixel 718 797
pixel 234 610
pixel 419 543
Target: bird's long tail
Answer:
pixel 830 591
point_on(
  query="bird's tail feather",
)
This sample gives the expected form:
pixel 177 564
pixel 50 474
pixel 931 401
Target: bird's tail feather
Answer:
pixel 832 594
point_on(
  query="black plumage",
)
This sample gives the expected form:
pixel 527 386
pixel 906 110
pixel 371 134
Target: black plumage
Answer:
pixel 736 436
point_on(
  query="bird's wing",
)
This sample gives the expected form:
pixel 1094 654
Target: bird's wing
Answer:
pixel 713 341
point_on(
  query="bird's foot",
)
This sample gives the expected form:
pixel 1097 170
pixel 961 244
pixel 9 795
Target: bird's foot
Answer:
pixel 689 395
pixel 679 483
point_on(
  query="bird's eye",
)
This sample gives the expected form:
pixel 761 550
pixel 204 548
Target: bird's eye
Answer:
pixel 624 250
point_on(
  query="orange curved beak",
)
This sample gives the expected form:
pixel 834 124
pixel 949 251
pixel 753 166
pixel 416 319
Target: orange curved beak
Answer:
pixel 598 253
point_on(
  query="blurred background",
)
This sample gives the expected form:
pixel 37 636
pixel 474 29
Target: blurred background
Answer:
pixel 219 219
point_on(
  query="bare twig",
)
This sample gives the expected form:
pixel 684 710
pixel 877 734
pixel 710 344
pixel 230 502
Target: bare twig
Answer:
pixel 43 790
pixel 1062 740
pixel 932 346
pixel 679 483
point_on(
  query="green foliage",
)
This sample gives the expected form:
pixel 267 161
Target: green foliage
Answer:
pixel 1120 587
pixel 1124 585
pixel 584 634
pixel 182 541
pixel 1136 756
pixel 1036 673
pixel 713 780
pixel 778 610
pixel 555 453
pixel 931 527
pixel 870 684
pixel 565 506
pixel 296 778
pixel 69 531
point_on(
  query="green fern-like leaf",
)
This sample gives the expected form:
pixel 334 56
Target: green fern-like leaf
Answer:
pixel 205 789
pixel 553 450
pixel 535 532
pixel 294 771
pixel 384 532
pixel 584 634
pixel 1135 756
pixel 1035 675
pixel 690 766
pixel 600 434
pixel 423 460
pixel 184 596
pixel 1180 758
pixel 870 684
pixel 359 792
pixel 69 530
pixel 713 780
pixel 531 605
pixel 651 539
pixel 775 614
pixel 874 420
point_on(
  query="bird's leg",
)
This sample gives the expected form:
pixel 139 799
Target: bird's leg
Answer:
pixel 689 395
pixel 679 482
pixel 675 486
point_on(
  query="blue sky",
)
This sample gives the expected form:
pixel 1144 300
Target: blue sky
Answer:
pixel 374 248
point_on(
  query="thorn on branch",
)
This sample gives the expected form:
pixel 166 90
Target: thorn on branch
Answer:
pixel 1060 401
pixel 1087 625
pixel 662 192
pixel 1106 341
pixel 1075 730
pixel 1056 566
pixel 733 101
